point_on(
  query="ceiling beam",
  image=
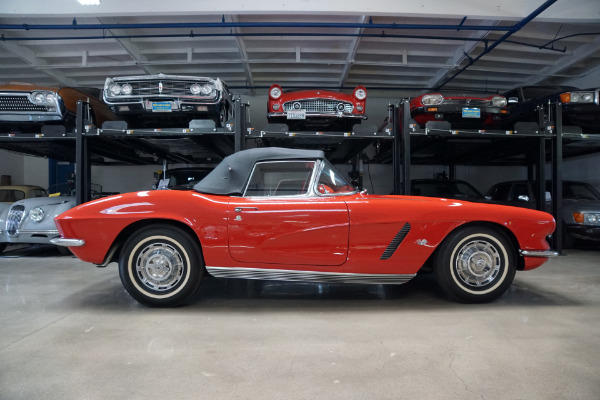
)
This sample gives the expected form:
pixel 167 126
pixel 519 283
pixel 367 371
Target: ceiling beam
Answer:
pixel 577 56
pixel 352 52
pixel 39 64
pixel 131 49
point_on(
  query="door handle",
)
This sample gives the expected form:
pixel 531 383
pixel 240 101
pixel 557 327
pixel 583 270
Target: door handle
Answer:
pixel 240 209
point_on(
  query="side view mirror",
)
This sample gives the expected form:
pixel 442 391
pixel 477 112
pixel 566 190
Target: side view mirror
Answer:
pixel 513 100
pixel 523 197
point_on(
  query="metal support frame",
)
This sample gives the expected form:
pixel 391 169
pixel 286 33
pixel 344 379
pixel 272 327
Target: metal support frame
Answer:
pixel 557 187
pixel 82 158
pixel 240 125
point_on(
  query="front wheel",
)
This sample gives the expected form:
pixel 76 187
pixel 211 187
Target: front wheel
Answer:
pixel 161 266
pixel 475 264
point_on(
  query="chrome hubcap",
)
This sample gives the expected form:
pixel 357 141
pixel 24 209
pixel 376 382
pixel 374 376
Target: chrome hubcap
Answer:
pixel 160 266
pixel 478 263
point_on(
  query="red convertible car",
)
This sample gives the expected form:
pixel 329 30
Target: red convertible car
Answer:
pixel 316 109
pixel 283 214
pixel 461 111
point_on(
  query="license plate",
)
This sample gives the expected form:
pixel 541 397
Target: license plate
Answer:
pixel 162 107
pixel 468 112
pixel 297 114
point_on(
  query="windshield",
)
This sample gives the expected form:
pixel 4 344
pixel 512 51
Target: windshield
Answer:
pixel 579 191
pixel 332 182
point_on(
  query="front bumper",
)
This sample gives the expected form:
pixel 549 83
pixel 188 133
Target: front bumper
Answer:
pixel 29 236
pixel 67 242
pixel 585 232
pixel 318 115
pixel 538 253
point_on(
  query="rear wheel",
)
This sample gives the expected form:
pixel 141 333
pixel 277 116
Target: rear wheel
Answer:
pixel 475 264
pixel 161 266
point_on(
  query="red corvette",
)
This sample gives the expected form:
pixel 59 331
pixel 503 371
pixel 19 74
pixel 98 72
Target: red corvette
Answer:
pixel 462 112
pixel 284 214
pixel 316 109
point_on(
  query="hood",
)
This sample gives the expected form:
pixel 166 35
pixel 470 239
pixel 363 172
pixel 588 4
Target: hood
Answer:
pixel 44 201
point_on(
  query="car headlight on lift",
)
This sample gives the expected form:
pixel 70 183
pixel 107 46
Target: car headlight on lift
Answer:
pixel 587 218
pixel 36 214
pixel 577 97
pixel 499 101
pixel 432 99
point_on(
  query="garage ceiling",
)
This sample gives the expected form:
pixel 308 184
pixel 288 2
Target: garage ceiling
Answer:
pixel 385 45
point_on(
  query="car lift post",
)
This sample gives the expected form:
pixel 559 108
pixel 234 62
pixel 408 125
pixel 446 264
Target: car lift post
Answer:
pixel 401 152
pixel 82 159
pixel 557 186
pixel 240 110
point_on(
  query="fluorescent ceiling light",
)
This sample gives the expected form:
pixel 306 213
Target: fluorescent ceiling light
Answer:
pixel 89 2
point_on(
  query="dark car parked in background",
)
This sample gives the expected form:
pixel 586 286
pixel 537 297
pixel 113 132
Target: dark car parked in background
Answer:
pixel 581 205
pixel 580 108
pixel 446 188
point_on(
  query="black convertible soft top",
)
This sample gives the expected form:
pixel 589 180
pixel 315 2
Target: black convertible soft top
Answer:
pixel 231 175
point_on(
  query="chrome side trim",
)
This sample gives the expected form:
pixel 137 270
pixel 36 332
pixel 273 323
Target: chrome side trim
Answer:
pixel 67 242
pixel 538 253
pixel 307 276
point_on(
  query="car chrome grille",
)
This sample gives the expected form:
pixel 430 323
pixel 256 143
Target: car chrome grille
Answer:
pixel 14 219
pixel 160 87
pixel 19 103
pixel 318 106
pixel 469 102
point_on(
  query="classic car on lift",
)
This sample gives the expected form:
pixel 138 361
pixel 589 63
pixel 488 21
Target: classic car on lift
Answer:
pixel 169 101
pixel 580 108
pixel 580 206
pixel 459 111
pixel 284 214
pixel 27 108
pixel 316 109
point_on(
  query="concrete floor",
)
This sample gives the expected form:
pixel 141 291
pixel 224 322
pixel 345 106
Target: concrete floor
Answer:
pixel 70 331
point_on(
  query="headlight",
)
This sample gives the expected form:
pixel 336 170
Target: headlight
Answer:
pixel 207 89
pixel 577 97
pixel 126 89
pixel 360 94
pixel 275 92
pixel 36 214
pixel 115 89
pixel 432 99
pixel 499 101
pixel 43 97
pixel 195 89
pixel 588 218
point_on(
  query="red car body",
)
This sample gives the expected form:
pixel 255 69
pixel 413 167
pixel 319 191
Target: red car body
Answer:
pixel 310 233
pixel 316 109
pixel 462 112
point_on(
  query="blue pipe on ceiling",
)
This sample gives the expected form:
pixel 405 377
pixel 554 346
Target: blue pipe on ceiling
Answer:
pixel 223 24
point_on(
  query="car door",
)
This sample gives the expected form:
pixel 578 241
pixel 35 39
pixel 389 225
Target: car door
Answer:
pixel 277 221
